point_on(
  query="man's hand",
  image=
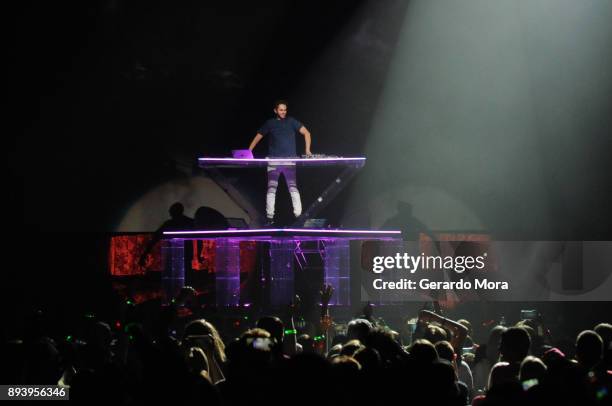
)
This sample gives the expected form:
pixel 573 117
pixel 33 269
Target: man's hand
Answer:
pixel 426 317
pixel 255 141
pixel 307 140
pixel 143 260
pixel 326 293
pixel 197 360
pixel 308 153
pixel 368 310
pixel 294 306
pixel 459 331
pixel 204 342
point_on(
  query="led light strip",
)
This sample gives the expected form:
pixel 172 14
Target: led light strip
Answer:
pixel 242 160
pixel 291 230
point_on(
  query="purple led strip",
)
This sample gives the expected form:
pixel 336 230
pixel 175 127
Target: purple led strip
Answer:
pixel 242 160
pixel 291 230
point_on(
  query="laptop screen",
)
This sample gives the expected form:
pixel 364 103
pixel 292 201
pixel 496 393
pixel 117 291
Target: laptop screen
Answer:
pixel 242 154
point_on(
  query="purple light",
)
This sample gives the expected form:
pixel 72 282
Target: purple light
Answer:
pixel 290 230
pixel 246 160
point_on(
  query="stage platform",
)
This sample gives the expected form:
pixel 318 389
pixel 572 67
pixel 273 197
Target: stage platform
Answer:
pixel 273 234
pixel 288 249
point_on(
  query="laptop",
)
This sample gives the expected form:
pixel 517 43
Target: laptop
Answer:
pixel 242 154
pixel 315 223
pixel 236 223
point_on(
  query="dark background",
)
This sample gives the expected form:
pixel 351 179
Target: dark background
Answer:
pixel 110 98
pixel 114 97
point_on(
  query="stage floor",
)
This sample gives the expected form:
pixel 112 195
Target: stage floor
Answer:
pixel 306 248
pixel 273 234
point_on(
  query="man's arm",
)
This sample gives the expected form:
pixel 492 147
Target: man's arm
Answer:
pixel 459 330
pixel 257 138
pixel 157 235
pixel 307 139
pixel 290 339
pixel 326 322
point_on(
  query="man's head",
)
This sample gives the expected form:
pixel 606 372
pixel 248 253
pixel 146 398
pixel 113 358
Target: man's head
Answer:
pixel 532 368
pixel 492 349
pixel 435 334
pixel 423 352
pixel 445 350
pixel 502 373
pixel 605 332
pixel 176 210
pixel 514 346
pixel 280 108
pixel 272 325
pixel 589 348
pixel 358 329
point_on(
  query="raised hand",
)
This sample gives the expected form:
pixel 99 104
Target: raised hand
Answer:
pixel 294 306
pixel 426 317
pixel 326 293
pixel 142 261
pixel 368 310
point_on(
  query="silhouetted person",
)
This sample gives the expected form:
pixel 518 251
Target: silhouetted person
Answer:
pixel 412 228
pixel 589 349
pixel 605 332
pixel 207 218
pixel 177 222
pixel 272 325
pixel 514 347
pixel 532 368
pixel 486 356
pixel 423 352
pixel 503 387
pixel 358 329
pixel 406 221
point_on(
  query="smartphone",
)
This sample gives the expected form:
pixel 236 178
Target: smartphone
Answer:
pixel 529 383
pixel 263 344
pixel 260 343
pixel 529 314
pixel 202 341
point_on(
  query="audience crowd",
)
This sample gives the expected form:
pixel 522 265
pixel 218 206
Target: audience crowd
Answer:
pixel 183 358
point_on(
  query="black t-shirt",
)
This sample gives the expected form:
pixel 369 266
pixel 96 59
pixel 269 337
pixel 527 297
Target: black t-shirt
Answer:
pixel 281 136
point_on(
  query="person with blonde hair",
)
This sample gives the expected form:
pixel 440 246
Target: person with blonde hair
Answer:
pixel 202 334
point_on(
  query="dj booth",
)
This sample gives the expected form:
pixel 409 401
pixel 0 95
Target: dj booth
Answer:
pixel 287 248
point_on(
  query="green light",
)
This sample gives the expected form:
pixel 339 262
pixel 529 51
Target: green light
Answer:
pixel 601 393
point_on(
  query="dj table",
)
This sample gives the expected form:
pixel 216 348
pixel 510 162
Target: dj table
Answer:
pixel 351 165
pixel 209 162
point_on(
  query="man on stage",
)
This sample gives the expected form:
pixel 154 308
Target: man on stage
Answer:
pixel 281 131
